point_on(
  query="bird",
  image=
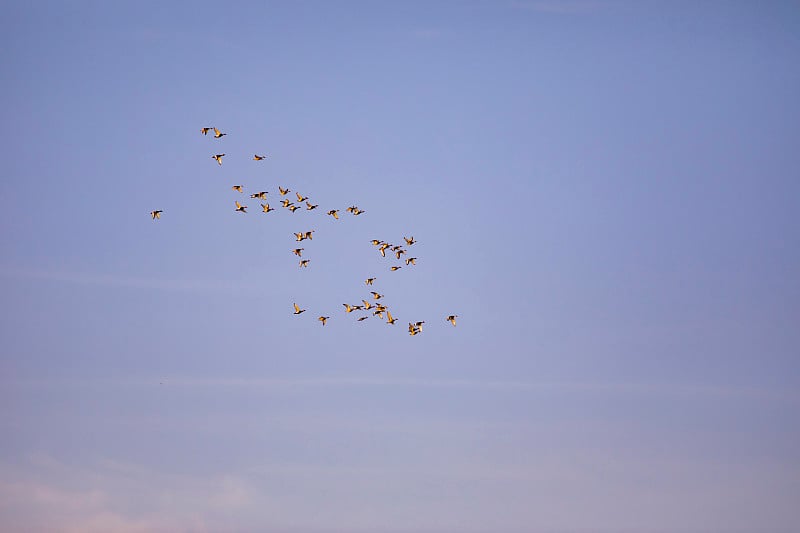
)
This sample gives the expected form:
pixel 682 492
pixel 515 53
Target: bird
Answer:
pixel 395 268
pixel 390 319
pixel 348 308
pixel 304 263
pixel 376 295
pixel 298 252
pixel 380 307
pixel 309 234
pixel 398 253
pixel 334 213
pixel 351 209
pixel 301 198
pixel 367 305
pixel 382 250
pixel 376 242
pixel 283 191
pixel 262 195
pixel 412 330
pixel 218 157
pixel 418 325
pixel 378 313
pixel 266 208
pixel 310 206
pixel 363 318
pixel 293 208
pixel 299 236
pixel 369 281
pixel 240 207
pixel 452 319
pixel 323 319
pixel 285 202
pixel 218 134
pixel 204 131
pixel 358 211
pixel 297 310
pixel 237 188
pixel 156 214
pixel 409 240
pixel 411 261
pixel 257 157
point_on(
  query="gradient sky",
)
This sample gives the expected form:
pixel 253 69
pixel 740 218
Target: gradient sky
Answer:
pixel 605 192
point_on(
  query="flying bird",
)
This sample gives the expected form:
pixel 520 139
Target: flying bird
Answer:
pixel 259 157
pixel 351 209
pixel 310 206
pixel 304 263
pixel 389 318
pixel 376 295
pixel 398 253
pixel 409 240
pixel 452 319
pixel 395 268
pixel 218 134
pixel 348 308
pixel 204 131
pixel 411 261
pixel 238 188
pixel 266 208
pixel 369 281
pixel 323 319
pixel 358 211
pixel 240 207
pixel 298 252
pixel 262 195
pixel 285 202
pixel 218 157
pixel 299 236
pixel 367 305
pixel 156 214
pixel 301 198
pixel 334 213
pixel 376 242
pixel 363 318
pixel 309 234
pixel 297 310
pixel 293 208
pixel 283 191
pixel 418 325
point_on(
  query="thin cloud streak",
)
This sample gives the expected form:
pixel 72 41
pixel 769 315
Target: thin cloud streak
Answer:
pixel 272 384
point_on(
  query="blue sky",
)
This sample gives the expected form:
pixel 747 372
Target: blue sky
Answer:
pixel 603 191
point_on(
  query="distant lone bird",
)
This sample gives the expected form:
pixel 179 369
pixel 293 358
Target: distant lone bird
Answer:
pixel 262 195
pixel 204 131
pixel 218 134
pixel 369 281
pixel 390 319
pixel 259 157
pixel 304 263
pixel 323 319
pixel 310 206
pixel 376 295
pixel 240 207
pixel 283 191
pixel 298 252
pixel 297 310
pixel 334 213
pixel 301 198
pixel 452 319
pixel 395 268
pixel 266 208
pixel 411 261
pixel 238 188
pixel 218 157
pixel 409 240
pixel 156 214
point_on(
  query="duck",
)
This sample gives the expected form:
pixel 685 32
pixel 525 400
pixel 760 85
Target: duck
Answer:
pixel 334 213
pixel 218 157
pixel 266 208
pixel 323 319
pixel 237 188
pixel 156 214
pixel 452 319
pixel 369 281
pixel 240 207
pixel 297 310
pixel 283 191
pixel 218 134
pixel 257 157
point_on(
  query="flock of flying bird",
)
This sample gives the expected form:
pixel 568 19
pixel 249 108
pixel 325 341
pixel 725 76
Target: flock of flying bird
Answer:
pixel 376 308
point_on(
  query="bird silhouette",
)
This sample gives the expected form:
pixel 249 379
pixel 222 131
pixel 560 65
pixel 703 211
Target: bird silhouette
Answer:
pixel 297 310
pixel 218 157
pixel 369 281
pixel 218 134
pixel 266 208
pixel 237 188
pixel 310 206
pixel 283 191
pixel 204 131
pixel 452 319
pixel 156 214
pixel 395 268
pixel 298 252
pixel 323 319
pixel 411 261
pixel 304 263
pixel 334 213
pixel 262 195
pixel 409 240
pixel 259 157
pixel 240 207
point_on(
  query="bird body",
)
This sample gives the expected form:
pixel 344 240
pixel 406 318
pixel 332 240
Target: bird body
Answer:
pixel 409 240
pixel 266 208
pixel 218 134
pixel 304 263
pixel 218 157
pixel 301 198
pixel 241 208
pixel 283 191
pixel 452 319
pixel 310 206
pixel 389 318
pixel 323 319
pixel 376 295
pixel 298 252
pixel 237 188
pixel 395 268
pixel 156 214
pixel 204 131
pixel 411 261
pixel 293 208
pixel 257 157
pixel 297 310
pixel 369 281
pixel 334 213
pixel 262 195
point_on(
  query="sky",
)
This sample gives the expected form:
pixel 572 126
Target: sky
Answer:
pixel 603 191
